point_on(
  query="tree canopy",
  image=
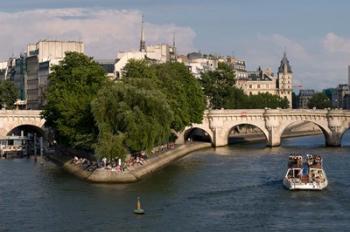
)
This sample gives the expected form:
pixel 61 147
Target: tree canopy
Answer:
pixel 73 84
pixel 262 100
pixel 218 86
pixel 320 101
pixel 141 111
pixel 140 117
pixel 8 94
pixel 182 91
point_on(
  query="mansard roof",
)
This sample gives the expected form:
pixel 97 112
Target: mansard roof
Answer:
pixel 258 75
pixel 284 62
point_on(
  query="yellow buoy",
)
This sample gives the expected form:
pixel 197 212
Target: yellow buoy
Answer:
pixel 138 209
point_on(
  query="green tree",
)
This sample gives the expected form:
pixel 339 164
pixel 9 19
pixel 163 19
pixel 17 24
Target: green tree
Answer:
pixel 138 69
pixel 184 94
pixel 262 100
pixel 73 84
pixel 182 91
pixel 8 94
pixel 320 101
pixel 140 117
pixel 110 146
pixel 218 86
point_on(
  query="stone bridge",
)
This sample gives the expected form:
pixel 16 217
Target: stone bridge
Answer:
pixel 217 124
pixel 12 119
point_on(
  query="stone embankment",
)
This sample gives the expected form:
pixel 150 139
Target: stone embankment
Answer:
pixel 135 173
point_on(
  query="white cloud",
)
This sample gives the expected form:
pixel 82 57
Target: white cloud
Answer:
pixel 317 63
pixel 104 31
pixel 334 43
pixel 280 43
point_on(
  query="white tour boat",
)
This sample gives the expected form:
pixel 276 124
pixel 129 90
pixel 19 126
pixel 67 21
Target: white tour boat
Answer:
pixel 305 173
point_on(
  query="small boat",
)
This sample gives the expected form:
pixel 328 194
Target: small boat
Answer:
pixel 305 173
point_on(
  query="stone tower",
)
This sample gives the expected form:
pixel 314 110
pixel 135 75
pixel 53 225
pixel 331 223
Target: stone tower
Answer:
pixel 285 80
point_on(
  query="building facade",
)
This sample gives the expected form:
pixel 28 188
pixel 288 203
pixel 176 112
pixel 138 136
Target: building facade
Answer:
pixel 258 81
pixel 304 97
pixel 238 66
pixel 3 70
pixel 285 80
pixel 108 66
pixel 48 50
pixel 340 92
pixel 38 62
pixel 264 81
pixel 197 63
pixel 160 53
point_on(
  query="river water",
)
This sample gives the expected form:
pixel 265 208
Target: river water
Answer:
pixel 235 188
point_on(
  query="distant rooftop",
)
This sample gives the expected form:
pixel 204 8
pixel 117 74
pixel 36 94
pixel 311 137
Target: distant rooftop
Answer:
pixel 284 62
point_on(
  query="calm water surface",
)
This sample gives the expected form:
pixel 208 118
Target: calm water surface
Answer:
pixel 236 188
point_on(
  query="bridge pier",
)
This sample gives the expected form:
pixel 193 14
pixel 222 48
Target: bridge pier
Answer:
pixel 274 139
pixel 180 138
pixel 333 140
pixel 220 138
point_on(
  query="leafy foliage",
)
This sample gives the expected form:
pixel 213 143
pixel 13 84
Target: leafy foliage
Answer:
pixel 110 145
pixel 8 94
pixel 138 69
pixel 142 110
pixel 182 91
pixel 89 112
pixel 73 84
pixel 218 86
pixel 140 117
pixel 263 100
pixel 320 101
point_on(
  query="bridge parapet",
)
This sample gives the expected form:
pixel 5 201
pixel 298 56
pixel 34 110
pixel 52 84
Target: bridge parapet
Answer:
pixel 32 113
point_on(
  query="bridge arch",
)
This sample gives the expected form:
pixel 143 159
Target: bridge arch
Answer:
pixel 324 128
pixel 261 128
pixel 198 133
pixel 26 128
pixel 343 133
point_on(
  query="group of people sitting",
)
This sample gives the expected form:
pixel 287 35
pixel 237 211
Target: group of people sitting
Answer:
pixel 136 159
pixel 85 163
pixel 163 148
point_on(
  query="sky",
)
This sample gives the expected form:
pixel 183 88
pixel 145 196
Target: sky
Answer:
pixel 314 34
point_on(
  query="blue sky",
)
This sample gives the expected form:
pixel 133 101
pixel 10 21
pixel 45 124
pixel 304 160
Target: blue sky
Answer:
pixel 314 33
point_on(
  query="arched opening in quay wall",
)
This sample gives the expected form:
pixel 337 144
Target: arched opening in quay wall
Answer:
pixel 246 133
pixel 196 134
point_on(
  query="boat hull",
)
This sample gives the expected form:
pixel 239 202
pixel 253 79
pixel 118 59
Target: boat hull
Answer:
pixel 293 185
